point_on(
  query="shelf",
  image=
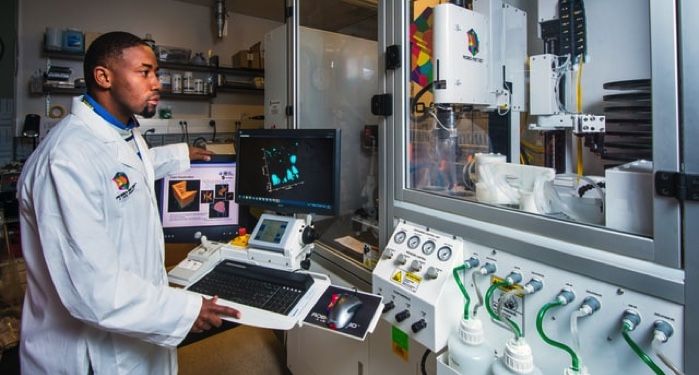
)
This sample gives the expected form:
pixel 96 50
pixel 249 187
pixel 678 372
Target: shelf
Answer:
pixel 76 56
pixel 169 95
pixel 186 67
pixel 241 89
pixel 248 72
pixel 241 71
pixel 60 91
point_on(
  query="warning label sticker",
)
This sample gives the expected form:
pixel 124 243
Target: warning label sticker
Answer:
pixel 398 277
pixel 411 281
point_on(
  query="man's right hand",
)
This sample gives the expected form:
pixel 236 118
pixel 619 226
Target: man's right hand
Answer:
pixel 210 315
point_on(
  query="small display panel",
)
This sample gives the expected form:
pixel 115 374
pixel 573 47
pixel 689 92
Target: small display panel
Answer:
pixel 271 231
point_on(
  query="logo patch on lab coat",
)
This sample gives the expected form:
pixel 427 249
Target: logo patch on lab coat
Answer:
pixel 121 180
pixel 124 185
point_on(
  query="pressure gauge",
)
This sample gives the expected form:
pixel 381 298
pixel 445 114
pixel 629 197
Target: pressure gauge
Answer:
pixel 428 247
pixel 399 237
pixel 444 253
pixel 413 242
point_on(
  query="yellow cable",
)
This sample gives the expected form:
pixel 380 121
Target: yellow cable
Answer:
pixel 579 102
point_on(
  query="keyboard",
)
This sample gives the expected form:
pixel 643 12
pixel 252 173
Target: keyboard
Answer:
pixel 273 290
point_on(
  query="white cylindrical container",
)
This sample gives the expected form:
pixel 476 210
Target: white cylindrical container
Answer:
pixel 199 86
pixel 165 82
pixel 517 360
pixel 468 353
pixel 177 83
pixel 188 83
pixel 54 39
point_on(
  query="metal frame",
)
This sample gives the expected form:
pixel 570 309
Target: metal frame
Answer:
pixel 649 266
pixel 689 48
pixel 292 48
pixel 666 146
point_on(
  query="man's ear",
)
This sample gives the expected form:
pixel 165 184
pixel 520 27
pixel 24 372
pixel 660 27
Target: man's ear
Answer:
pixel 103 76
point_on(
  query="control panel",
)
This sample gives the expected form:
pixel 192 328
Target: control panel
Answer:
pixel 605 329
pixel 414 276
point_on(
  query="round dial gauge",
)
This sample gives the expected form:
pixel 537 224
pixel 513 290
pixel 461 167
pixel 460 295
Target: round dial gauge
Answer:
pixel 413 242
pixel 428 247
pixel 444 253
pixel 399 237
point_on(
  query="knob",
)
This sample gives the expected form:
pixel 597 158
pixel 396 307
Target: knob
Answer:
pixel 401 259
pixel 388 253
pixel 432 273
pixel 419 325
pixel 309 235
pixel 401 316
pixel 388 307
pixel 415 265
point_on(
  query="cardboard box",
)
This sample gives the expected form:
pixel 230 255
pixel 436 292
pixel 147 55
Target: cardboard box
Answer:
pixel 246 59
pixel 259 51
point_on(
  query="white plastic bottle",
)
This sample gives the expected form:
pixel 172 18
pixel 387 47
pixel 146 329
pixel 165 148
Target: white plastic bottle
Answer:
pixel 468 353
pixel 517 360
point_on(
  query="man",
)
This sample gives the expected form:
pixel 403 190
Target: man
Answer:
pixel 97 296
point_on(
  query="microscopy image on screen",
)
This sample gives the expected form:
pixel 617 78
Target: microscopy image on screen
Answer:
pixel 289 170
pixel 280 167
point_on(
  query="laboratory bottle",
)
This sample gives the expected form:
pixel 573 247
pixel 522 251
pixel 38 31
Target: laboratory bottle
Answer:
pixel 518 359
pixel 468 351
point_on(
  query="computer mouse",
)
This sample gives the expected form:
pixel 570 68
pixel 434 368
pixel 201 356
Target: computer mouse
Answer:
pixel 343 310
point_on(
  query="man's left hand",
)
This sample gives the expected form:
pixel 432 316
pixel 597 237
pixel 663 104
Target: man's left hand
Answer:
pixel 196 153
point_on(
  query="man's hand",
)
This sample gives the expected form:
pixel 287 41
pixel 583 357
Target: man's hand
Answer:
pixel 210 315
pixel 196 153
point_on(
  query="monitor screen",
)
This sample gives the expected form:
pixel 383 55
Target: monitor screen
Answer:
pixel 200 201
pixel 292 171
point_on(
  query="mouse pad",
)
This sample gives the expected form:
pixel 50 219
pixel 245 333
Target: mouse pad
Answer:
pixel 359 325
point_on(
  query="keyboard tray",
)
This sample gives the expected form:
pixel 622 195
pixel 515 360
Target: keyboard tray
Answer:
pixel 266 297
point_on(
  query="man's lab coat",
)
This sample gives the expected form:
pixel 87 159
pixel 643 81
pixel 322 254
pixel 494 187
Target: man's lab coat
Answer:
pixel 97 291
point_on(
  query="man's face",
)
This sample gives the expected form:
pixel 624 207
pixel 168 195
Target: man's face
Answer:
pixel 135 86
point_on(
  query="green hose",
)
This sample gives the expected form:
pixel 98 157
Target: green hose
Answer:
pixel 467 304
pixel 540 328
pixel 493 315
pixel 644 357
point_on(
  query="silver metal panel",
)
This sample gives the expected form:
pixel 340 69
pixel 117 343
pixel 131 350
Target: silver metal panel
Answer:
pixel 349 270
pixel 664 66
pixel 391 32
pixel 645 277
pixel 385 179
pixel 690 133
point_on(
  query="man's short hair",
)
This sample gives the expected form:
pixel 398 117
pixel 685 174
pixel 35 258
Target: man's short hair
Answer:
pixel 107 47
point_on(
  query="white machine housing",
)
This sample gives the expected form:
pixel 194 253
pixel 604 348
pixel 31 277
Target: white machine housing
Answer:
pixel 285 254
pixel 461 56
pixel 420 281
pixel 542 85
pixel 629 197
pixel 544 100
pixel 469 69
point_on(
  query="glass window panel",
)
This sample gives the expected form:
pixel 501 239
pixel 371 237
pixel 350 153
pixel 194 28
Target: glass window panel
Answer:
pixel 337 75
pixel 478 133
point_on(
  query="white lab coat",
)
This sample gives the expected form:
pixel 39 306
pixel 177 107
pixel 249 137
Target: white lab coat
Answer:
pixel 97 291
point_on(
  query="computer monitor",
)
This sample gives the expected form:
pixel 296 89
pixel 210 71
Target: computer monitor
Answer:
pixel 200 201
pixel 289 170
